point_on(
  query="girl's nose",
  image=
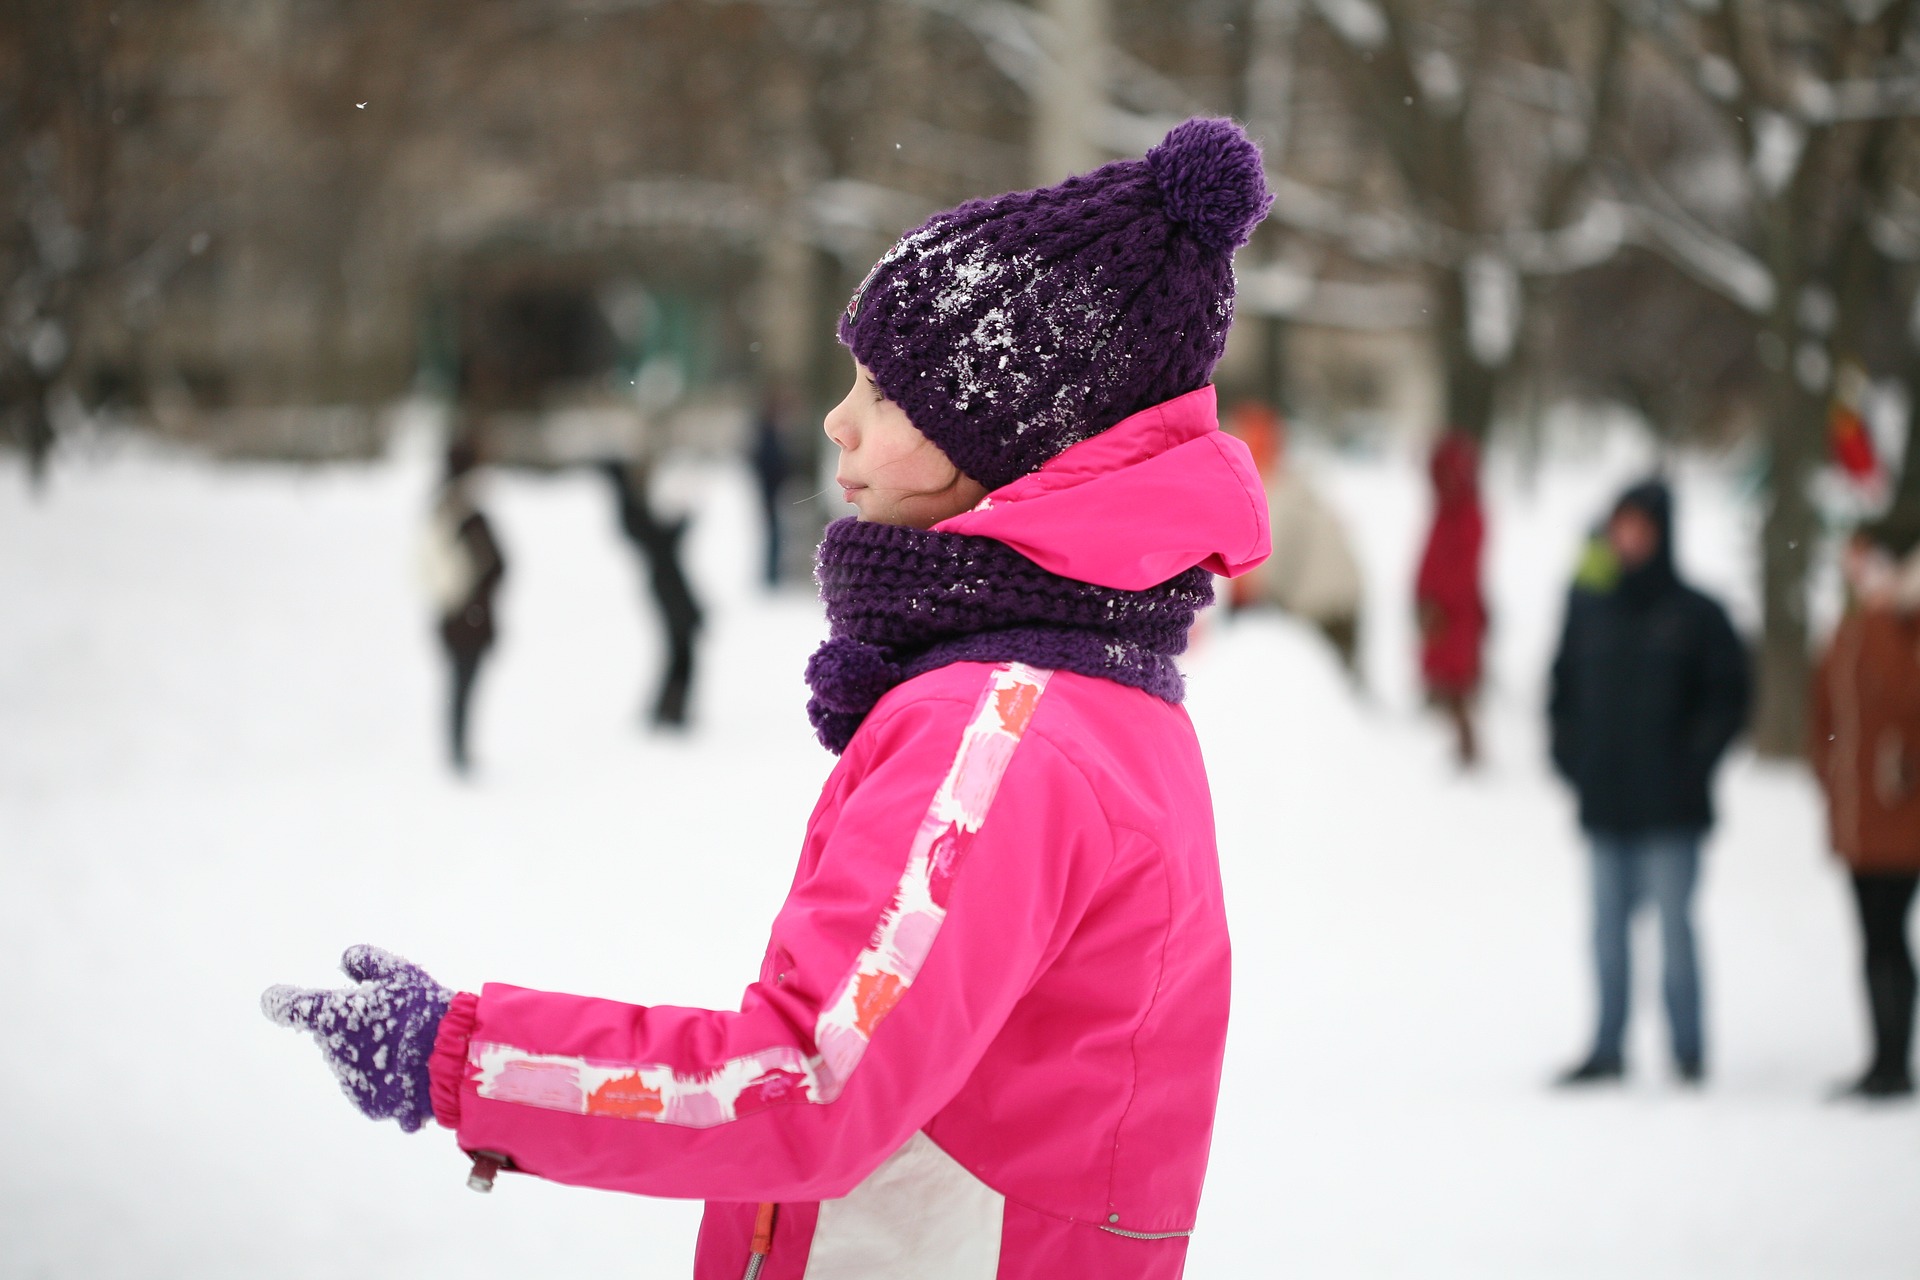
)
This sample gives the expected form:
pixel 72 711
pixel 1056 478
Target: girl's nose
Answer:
pixel 837 428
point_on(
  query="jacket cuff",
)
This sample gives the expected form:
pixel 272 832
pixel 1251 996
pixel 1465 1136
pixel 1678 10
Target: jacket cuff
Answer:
pixel 447 1068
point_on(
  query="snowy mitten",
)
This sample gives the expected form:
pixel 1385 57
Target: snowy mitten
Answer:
pixel 376 1036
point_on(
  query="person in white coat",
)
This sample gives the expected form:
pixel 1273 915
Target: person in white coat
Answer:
pixel 1313 573
pixel 462 566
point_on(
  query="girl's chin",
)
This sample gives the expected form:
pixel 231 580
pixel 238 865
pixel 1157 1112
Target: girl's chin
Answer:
pixel 897 519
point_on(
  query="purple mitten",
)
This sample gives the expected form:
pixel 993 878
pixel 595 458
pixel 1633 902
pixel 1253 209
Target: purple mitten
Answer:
pixel 376 1036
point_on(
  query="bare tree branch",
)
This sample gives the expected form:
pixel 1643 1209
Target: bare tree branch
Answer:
pixel 1715 261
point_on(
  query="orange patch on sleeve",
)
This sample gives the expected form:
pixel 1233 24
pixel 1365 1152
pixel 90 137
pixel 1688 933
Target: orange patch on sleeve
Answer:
pixel 873 999
pixel 1015 706
pixel 626 1098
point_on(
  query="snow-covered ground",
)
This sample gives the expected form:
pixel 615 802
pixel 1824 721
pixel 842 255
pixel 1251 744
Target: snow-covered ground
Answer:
pixel 219 733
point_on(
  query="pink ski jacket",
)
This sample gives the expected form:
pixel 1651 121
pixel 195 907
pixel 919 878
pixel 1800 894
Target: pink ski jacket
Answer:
pixel 985 1040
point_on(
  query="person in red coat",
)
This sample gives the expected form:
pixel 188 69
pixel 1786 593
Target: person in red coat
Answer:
pixel 1452 611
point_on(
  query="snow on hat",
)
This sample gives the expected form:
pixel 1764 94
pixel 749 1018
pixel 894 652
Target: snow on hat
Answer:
pixel 1013 327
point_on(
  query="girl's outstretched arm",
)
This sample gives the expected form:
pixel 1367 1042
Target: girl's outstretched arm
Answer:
pixel 951 856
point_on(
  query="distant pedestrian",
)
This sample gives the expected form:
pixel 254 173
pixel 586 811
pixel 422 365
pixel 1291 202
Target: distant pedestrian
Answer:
pixel 1313 573
pixel 658 542
pixel 1451 606
pixel 1649 687
pixel 463 567
pixel 1864 746
pixel 771 466
pixel 1256 425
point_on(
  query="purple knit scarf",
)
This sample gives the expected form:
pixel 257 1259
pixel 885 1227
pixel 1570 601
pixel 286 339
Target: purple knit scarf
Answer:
pixel 903 602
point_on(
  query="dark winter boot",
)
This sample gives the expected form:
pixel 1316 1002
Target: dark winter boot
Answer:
pixel 1890 990
pixel 1877 1084
pixel 670 708
pixel 1890 996
pixel 1597 1069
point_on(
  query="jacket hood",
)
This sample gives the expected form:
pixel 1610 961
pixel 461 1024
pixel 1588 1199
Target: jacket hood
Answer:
pixel 1150 497
pixel 1653 499
pixel 1454 469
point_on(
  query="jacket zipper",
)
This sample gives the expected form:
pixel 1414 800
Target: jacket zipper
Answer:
pixel 762 1242
pixel 1143 1235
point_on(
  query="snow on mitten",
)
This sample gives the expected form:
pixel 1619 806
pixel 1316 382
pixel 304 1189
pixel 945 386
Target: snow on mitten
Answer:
pixel 376 1036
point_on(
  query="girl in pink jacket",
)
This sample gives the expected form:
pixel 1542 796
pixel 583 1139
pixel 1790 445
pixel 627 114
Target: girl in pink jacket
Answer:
pixel 985 1040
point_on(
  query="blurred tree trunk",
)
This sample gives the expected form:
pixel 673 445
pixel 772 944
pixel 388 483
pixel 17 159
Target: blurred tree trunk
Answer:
pixel 58 142
pixel 1869 273
pixel 1264 81
pixel 1812 176
pixel 359 105
pixel 1435 83
pixel 1067 103
pixel 1795 436
pixel 1428 140
pixel 1905 504
pixel 1810 234
pixel 1795 410
pixel 1474 384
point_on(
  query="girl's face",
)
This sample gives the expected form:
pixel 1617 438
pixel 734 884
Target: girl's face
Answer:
pixel 888 470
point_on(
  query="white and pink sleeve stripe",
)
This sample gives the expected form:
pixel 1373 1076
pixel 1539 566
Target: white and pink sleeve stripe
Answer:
pixel 875 982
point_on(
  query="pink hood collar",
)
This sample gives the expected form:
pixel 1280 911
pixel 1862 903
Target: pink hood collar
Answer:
pixel 1150 497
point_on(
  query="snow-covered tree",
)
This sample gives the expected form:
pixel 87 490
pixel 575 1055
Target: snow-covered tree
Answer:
pixel 1791 207
pixel 1487 122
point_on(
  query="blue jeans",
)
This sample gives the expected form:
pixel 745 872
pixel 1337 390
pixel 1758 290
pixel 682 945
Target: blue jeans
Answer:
pixel 1627 870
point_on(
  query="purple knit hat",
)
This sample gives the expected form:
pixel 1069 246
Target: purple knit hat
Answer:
pixel 1014 327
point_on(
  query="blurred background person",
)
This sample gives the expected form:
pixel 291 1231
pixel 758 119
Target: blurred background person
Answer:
pixel 768 458
pixel 659 541
pixel 1313 573
pixel 1649 688
pixel 463 568
pixel 1864 747
pixel 1448 598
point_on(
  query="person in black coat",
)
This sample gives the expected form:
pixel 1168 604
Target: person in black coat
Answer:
pixel 1649 688
pixel 465 567
pixel 771 466
pixel 658 542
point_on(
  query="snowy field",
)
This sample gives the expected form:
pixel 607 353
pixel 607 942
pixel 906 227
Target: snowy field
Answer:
pixel 219 764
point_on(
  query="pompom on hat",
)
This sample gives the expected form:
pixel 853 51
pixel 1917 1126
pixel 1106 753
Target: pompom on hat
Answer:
pixel 1012 328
